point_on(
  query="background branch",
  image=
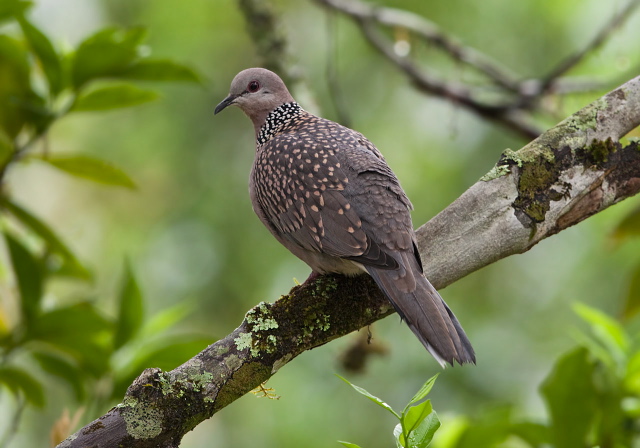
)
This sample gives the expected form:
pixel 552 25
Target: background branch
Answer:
pixel 569 173
pixel 520 99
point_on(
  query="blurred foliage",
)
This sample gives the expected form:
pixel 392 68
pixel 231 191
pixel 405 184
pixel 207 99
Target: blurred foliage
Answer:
pixel 592 395
pixel 73 340
pixel 183 218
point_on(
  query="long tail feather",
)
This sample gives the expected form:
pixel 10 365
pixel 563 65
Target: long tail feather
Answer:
pixel 427 315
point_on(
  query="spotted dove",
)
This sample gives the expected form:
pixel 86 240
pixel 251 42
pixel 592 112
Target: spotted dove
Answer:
pixel 326 193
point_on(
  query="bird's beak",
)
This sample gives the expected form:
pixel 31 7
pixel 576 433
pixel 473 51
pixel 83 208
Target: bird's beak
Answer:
pixel 225 102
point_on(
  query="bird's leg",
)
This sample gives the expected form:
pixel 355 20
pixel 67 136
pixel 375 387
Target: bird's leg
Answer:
pixel 312 277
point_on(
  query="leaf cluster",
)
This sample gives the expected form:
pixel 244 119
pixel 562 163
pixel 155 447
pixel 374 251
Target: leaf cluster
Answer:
pixel 417 423
pixel 72 340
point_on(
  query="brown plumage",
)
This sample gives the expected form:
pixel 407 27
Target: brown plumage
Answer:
pixel 327 194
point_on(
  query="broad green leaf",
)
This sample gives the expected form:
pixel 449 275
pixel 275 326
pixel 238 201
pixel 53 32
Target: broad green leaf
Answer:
pixel 78 330
pixel 20 381
pixel 632 374
pixel 54 243
pixel 130 309
pixel 47 55
pixel 160 70
pixel 570 396
pixel 113 97
pixel 6 148
pixel 534 434
pixel 348 444
pixel 421 436
pixel 29 277
pixel 166 319
pixel 632 301
pixel 10 9
pixel 62 368
pixel 424 391
pixel 15 86
pixel 415 415
pixel 71 321
pixel 373 398
pixel 453 431
pixel 605 328
pixel 488 430
pixel 93 169
pixel 106 54
pixel 594 347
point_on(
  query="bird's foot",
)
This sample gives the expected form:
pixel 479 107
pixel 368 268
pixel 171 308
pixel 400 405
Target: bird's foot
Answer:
pixel 312 277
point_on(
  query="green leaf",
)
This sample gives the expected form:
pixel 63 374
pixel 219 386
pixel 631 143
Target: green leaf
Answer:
pixel 113 97
pixel 131 309
pixel 632 375
pixel 20 381
pixel 595 348
pixel 15 86
pixel 64 369
pixel 106 54
pixel 160 70
pixel 78 330
pixel 166 319
pixel 608 331
pixel 55 244
pixel 570 396
pixel 415 415
pixel 47 55
pixel 70 321
pixel 424 391
pixel 421 436
pixel 28 276
pixel 349 444
pixel 373 398
pixel 488 430
pixel 398 436
pixel 93 169
pixel 534 434
pixel 6 148
pixel 10 9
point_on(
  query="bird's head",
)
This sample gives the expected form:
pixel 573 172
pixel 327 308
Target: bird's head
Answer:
pixel 257 91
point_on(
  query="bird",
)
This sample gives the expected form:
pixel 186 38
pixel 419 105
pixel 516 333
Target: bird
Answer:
pixel 327 194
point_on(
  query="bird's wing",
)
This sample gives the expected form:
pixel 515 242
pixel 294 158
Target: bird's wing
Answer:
pixel 318 199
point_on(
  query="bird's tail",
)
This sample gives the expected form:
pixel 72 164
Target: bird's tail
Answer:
pixel 420 305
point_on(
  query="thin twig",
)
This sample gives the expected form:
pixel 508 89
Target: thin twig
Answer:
pixel 599 39
pixel 429 32
pixel 504 114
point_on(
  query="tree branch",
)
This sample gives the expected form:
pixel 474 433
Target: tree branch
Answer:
pixel 517 99
pixel 429 32
pixel 569 173
pixel 504 112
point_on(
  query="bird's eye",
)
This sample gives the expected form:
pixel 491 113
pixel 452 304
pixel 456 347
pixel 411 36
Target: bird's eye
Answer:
pixel 253 86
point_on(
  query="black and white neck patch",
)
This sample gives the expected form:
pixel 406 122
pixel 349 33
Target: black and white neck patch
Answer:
pixel 277 118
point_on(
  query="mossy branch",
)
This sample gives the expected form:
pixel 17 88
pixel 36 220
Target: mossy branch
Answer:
pixel 569 173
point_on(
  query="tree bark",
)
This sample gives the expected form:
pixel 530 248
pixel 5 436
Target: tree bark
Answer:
pixel 569 173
